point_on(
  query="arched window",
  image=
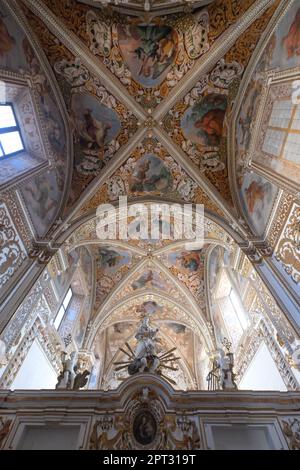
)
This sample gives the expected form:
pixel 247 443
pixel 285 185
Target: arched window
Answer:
pixel 11 142
pixel 282 138
pixel 230 304
pixel 22 150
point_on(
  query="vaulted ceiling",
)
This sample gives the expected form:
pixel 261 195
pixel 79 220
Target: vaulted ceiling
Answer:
pixel 147 102
pixel 164 90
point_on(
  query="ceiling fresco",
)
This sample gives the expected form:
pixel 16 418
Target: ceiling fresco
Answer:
pixel 111 264
pixel 257 195
pixel 148 60
pixel 100 123
pixel 42 194
pixel 146 107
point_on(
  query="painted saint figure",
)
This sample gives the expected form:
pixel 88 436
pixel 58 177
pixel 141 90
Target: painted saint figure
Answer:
pixel 254 193
pixel 291 41
pixel 148 51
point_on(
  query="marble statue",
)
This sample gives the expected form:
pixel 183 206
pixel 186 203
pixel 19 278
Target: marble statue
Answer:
pixel 227 375
pixel 67 376
pixel 70 378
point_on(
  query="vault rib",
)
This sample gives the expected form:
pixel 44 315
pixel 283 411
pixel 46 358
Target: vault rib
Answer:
pixel 205 63
pixel 75 45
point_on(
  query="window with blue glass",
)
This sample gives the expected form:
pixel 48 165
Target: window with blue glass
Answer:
pixel 11 142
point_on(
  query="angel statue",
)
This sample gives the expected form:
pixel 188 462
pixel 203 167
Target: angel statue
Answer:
pixel 227 376
pixel 67 375
pixel 70 378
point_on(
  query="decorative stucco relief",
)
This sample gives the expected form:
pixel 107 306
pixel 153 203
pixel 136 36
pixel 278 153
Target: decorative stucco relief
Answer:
pixel 12 249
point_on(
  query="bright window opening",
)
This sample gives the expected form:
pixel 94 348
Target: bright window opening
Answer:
pixel 10 137
pixel 61 312
pixel 232 309
pixel 282 138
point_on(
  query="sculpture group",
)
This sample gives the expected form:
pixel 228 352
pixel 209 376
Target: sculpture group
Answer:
pixel 70 377
pixel 145 357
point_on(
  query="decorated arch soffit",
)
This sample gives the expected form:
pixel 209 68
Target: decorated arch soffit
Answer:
pixel 169 77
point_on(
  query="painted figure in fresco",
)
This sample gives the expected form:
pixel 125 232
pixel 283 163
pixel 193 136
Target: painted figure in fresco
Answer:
pixel 147 279
pixel 110 258
pixel 291 41
pixel 54 125
pixel 140 175
pixel 148 308
pixel 157 48
pixel 144 280
pixel 203 123
pixel 93 132
pixel 212 123
pixel 190 260
pixel 245 122
pixel 253 194
pixel 150 174
pixel 43 200
pixel 148 51
pixel 7 42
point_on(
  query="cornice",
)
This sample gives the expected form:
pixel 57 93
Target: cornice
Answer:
pixel 221 401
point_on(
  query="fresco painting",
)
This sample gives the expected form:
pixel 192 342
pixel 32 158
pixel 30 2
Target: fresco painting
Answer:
pixel 96 125
pixel 110 260
pixel 147 280
pixel 258 196
pixel 247 113
pixel 203 122
pixel 42 196
pixel 148 51
pixel 187 261
pixel 149 308
pixel 16 54
pixel 150 175
pixel 81 326
pixel 216 260
pixel 11 43
pixel 86 265
pixel 54 123
pixel 286 41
